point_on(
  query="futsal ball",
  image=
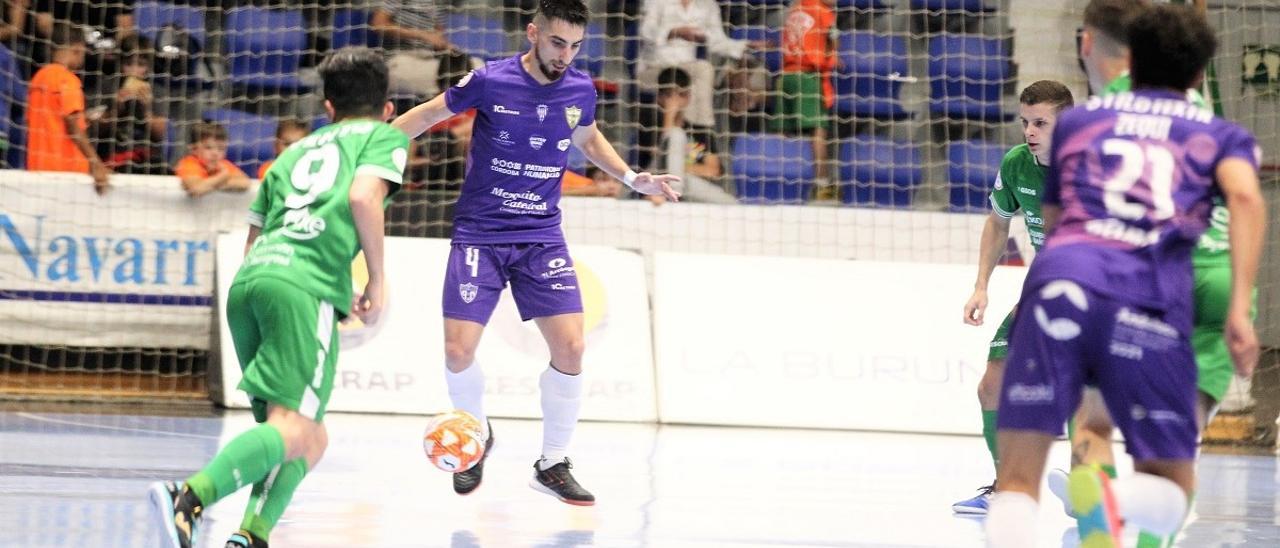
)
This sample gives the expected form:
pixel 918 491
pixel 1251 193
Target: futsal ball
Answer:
pixel 454 441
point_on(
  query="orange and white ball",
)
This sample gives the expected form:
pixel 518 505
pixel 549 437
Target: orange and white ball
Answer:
pixel 454 441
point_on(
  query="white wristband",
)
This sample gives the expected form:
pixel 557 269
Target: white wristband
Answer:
pixel 629 179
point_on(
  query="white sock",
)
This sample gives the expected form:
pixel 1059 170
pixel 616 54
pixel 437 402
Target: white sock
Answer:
pixel 466 391
pixel 1152 503
pixel 561 401
pixel 1011 520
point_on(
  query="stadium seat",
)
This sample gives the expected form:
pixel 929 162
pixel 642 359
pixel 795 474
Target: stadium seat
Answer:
pixel 874 68
pixel 875 171
pixel 252 137
pixel 972 6
pixel 772 169
pixel 861 4
pixel 265 47
pixel 972 167
pixel 150 16
pixel 478 36
pixel 772 54
pixel 592 55
pixel 13 91
pixel 351 28
pixel 967 74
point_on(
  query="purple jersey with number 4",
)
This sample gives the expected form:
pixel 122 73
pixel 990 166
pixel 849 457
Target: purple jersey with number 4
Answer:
pixel 1134 175
pixel 519 148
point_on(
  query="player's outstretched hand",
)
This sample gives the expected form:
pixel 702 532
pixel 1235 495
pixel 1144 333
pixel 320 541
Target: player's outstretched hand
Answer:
pixel 652 185
pixel 976 308
pixel 368 305
pixel 1242 342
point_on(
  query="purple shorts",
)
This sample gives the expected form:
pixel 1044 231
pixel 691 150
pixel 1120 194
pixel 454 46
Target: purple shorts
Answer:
pixel 1066 335
pixel 542 279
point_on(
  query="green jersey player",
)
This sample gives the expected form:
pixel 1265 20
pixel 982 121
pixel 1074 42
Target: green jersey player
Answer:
pixel 1018 186
pixel 319 205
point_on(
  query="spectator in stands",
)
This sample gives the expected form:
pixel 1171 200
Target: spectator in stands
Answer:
pixel 440 154
pixel 106 23
pixel 413 32
pixel 206 168
pixel 128 131
pixel 288 132
pixel 594 183
pixel 672 31
pixel 805 93
pixel 13 17
pixel 57 140
pixel 684 150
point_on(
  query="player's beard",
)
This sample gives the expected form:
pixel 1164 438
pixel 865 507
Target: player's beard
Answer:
pixel 546 69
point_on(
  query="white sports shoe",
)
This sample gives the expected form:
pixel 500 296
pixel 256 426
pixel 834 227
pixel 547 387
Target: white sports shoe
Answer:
pixel 1058 486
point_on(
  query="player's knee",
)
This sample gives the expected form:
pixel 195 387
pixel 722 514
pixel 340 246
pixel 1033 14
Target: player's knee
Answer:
pixel 990 384
pixel 1098 424
pixel 318 444
pixel 458 355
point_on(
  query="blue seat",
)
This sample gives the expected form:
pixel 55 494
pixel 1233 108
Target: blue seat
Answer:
pixel 772 54
pixel 967 74
pixel 860 4
pixel 151 16
pixel 478 36
pixel 265 48
pixel 251 137
pixel 592 55
pixel 878 172
pixel 13 91
pixel 351 28
pixel 972 167
pixel 972 6
pixel 772 169
pixel 869 83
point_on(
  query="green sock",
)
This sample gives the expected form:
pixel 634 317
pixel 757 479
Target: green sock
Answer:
pixel 1071 431
pixel 246 459
pixel 271 496
pixel 989 434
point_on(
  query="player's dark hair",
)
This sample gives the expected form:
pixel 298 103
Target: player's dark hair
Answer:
pixel 207 130
pixel 673 78
pixel 1047 91
pixel 355 82
pixel 1112 17
pixel 573 12
pixel 1170 46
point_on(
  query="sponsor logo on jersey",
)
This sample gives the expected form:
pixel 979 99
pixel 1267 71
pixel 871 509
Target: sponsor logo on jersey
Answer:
pixel 542 113
pixel 563 145
pixel 572 115
pixel 468 292
pixel 536 141
pixel 504 110
pixel 504 138
pixel 1027 191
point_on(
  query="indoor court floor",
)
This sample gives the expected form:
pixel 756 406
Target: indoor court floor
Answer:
pixel 80 480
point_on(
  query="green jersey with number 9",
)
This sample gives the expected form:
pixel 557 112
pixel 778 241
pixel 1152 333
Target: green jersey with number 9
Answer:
pixel 308 235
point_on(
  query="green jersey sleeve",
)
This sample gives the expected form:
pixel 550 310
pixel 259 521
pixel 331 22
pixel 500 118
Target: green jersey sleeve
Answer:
pixel 261 205
pixel 385 156
pixel 1003 201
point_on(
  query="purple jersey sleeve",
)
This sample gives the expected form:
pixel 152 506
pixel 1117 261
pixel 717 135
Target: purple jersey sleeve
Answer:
pixel 468 92
pixel 1237 142
pixel 589 110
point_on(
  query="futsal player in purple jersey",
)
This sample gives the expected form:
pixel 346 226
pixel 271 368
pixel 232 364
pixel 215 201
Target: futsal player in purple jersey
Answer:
pixel 530 109
pixel 1109 300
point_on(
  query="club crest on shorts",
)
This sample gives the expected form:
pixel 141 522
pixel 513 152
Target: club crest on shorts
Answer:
pixel 572 115
pixel 468 292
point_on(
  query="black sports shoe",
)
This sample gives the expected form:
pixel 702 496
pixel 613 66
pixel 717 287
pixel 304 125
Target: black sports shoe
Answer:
pixel 558 482
pixel 468 480
pixel 176 511
pixel 244 539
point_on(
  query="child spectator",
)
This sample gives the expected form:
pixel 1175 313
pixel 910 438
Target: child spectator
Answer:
pixel 288 132
pixel 129 133
pixel 206 168
pixel 57 137
pixel 805 93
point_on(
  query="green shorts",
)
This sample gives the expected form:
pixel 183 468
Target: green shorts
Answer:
pixel 799 106
pixel 1212 296
pixel 287 343
pixel 1000 343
